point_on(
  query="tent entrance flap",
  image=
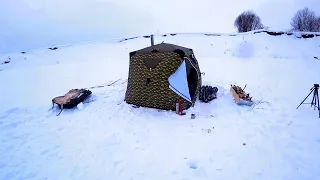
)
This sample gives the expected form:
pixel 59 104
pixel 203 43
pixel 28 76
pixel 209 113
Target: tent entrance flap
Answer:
pixel 178 82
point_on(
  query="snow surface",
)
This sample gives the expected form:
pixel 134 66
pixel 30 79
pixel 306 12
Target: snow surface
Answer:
pixel 105 138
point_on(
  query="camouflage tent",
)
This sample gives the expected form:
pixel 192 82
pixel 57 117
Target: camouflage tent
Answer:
pixel 162 75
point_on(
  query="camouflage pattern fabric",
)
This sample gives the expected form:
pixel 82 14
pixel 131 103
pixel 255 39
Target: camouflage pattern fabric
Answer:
pixel 150 87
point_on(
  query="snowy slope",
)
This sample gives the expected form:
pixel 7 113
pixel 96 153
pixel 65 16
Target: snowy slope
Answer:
pixel 109 139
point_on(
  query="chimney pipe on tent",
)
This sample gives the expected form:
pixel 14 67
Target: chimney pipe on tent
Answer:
pixel 152 40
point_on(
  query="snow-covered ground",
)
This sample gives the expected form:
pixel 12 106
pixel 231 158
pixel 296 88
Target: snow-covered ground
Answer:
pixel 109 139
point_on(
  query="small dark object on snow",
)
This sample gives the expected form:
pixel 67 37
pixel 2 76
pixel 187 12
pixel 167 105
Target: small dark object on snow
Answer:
pixel 274 33
pixel 307 35
pixel 135 106
pixel 193 116
pixel 7 61
pixel 71 99
pixel 54 48
pixel 208 93
pixel 316 57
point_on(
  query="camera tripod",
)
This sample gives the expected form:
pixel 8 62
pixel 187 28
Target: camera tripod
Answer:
pixel 315 99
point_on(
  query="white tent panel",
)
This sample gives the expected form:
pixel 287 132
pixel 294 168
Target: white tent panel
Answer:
pixel 178 82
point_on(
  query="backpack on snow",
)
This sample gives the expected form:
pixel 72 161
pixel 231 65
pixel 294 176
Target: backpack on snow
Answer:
pixel 207 93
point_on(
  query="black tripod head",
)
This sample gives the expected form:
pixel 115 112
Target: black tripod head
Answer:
pixel 315 86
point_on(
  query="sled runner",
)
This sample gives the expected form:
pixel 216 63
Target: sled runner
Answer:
pixel 71 99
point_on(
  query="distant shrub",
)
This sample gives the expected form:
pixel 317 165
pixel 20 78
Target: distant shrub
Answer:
pixel 248 21
pixel 305 20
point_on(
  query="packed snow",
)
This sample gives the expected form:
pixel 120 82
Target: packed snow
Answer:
pixel 106 138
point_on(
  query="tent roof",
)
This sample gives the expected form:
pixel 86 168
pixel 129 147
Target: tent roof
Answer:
pixel 162 47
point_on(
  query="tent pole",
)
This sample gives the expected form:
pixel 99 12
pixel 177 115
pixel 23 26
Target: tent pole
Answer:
pixel 152 40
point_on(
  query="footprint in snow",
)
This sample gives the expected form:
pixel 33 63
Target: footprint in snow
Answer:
pixel 192 165
pixel 13 110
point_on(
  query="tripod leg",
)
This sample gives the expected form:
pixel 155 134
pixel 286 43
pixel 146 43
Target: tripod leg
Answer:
pixel 305 98
pixel 318 102
pixel 314 100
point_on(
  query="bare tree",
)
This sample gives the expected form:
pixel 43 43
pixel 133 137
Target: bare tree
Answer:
pixel 248 21
pixel 305 20
pixel 318 25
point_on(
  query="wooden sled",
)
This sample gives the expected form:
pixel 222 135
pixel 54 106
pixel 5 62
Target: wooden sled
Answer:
pixel 238 100
pixel 71 99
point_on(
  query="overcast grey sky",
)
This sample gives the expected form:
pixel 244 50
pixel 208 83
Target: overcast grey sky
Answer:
pixel 29 24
